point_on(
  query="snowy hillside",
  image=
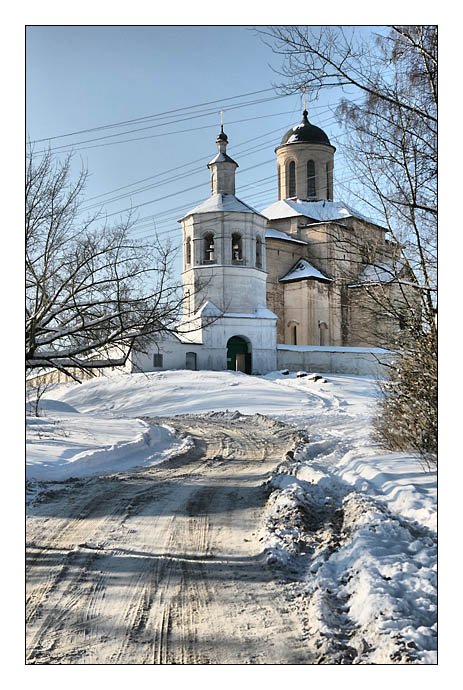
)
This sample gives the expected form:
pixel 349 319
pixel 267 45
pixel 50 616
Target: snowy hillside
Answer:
pixel 380 561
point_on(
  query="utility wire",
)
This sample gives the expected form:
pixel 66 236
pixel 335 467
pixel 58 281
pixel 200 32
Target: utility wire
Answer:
pixel 168 113
pixel 203 159
pixel 77 145
pixel 191 204
pixel 185 174
pixel 152 116
pixel 253 200
pixel 154 136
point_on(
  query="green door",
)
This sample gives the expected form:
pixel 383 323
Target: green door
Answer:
pixel 238 358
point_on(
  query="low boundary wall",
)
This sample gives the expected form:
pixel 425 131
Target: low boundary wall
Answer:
pixel 363 361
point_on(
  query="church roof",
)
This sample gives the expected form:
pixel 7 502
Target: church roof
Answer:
pixel 273 234
pixel 209 309
pixel 303 270
pixel 222 157
pixel 385 272
pixel 305 133
pixel 318 210
pixel 222 202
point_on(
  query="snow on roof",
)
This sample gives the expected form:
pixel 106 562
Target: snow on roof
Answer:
pixel 378 273
pixel 278 235
pixel 222 202
pixel 222 158
pixel 303 270
pixel 318 210
pixel 209 309
pixel 260 313
pixel 332 348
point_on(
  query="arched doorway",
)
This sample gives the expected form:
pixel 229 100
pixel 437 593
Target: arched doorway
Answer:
pixel 239 357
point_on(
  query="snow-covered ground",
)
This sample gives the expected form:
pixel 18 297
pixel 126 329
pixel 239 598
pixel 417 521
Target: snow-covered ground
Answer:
pixel 63 443
pixel 344 514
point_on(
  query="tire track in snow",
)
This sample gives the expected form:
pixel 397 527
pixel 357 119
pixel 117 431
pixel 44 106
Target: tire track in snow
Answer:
pixel 167 566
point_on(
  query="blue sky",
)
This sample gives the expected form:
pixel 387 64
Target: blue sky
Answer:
pixel 86 77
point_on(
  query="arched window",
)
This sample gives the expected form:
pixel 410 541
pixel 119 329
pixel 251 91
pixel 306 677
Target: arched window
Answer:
pixel 188 251
pixel 258 252
pixel 291 179
pixel 209 246
pixel 294 334
pixel 187 303
pixel 311 189
pixel 279 181
pixel 329 182
pixel 237 248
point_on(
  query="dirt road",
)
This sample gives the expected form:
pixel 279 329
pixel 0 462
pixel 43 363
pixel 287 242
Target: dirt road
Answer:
pixel 164 565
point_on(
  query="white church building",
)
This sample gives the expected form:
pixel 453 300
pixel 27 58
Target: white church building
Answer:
pixel 226 323
pixel 277 289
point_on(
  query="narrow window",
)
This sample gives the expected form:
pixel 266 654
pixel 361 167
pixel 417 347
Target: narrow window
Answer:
pixel 311 189
pixel 237 248
pixel 279 181
pixel 322 325
pixel 209 246
pixel 294 330
pixel 291 181
pixel 187 303
pixel 190 361
pixel 258 252
pixel 188 251
pixel 329 182
pixel 157 360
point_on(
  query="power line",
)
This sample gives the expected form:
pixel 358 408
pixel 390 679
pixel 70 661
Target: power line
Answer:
pixel 203 159
pixel 152 116
pixel 77 145
pixel 263 194
pixel 191 204
pixel 186 173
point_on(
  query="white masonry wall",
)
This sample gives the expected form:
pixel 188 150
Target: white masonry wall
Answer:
pixel 211 354
pixel 361 361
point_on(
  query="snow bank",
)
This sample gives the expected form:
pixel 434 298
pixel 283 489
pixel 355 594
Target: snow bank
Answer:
pixel 336 412
pixel 357 522
pixel 370 576
pixel 68 444
pixel 186 392
pixel 397 480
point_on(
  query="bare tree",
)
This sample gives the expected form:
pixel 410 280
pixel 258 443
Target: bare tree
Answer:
pixel 35 390
pixel 93 294
pixel 390 118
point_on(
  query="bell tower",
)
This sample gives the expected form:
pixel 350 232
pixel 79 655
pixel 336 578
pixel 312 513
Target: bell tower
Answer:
pixel 225 276
pixel 224 258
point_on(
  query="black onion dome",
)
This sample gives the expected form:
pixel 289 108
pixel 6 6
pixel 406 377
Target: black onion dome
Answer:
pixel 305 133
pixel 222 136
